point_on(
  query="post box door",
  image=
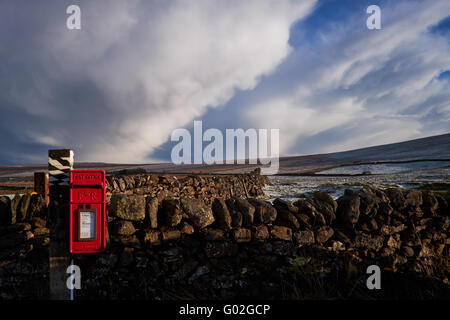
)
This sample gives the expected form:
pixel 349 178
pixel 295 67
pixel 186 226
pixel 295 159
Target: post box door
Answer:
pixel 87 228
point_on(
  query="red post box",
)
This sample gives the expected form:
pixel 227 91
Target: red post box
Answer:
pixel 87 211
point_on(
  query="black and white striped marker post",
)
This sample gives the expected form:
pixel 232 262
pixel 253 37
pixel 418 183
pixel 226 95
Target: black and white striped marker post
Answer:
pixel 60 162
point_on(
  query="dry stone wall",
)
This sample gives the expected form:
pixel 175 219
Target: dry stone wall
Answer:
pixel 205 187
pixel 24 240
pixel 242 247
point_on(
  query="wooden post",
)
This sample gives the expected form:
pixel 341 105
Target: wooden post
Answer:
pixel 41 185
pixel 60 162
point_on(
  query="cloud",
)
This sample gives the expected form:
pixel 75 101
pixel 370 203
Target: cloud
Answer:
pixel 360 86
pixel 116 89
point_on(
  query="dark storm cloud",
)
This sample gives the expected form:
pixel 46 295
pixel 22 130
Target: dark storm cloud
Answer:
pixel 114 90
pixel 137 70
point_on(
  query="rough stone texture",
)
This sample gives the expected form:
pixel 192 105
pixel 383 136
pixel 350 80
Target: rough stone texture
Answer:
pixel 396 197
pixel 212 234
pixel 388 230
pixel 309 214
pixel 37 207
pixel 152 237
pixel 304 221
pixel 408 251
pixel 236 219
pixel 281 233
pixel 260 233
pixel 369 242
pixel 126 241
pixel 241 235
pixel 264 213
pixel 369 202
pixel 394 241
pixel 409 237
pixel 413 198
pixel 327 210
pixel 5 204
pixel 187 228
pixel 169 235
pixel 284 205
pixel 306 207
pixel 152 212
pixel 38 222
pixel 206 187
pixel 128 207
pixel 304 237
pixel 236 215
pixel 323 197
pixel 430 201
pixel 14 208
pixel 323 234
pixel 121 227
pixel 348 209
pixel 287 219
pixel 171 212
pixel 21 213
pixel 41 232
pixel 247 211
pixel 200 214
pixel 222 214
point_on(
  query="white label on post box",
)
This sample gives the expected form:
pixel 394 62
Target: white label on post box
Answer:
pixel 87 225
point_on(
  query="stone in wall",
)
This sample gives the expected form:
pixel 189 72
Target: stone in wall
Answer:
pixel 128 207
pixel 304 237
pixel 264 213
pixel 260 233
pixel 309 214
pixel 121 227
pixel 170 234
pixel 236 215
pixel 14 208
pixel 199 213
pixel 241 235
pixel 171 212
pixel 152 212
pixel 153 237
pixel 284 205
pixel 287 219
pixel 349 209
pixel 222 214
pixel 5 204
pixel 37 207
pixel 281 233
pixel 246 209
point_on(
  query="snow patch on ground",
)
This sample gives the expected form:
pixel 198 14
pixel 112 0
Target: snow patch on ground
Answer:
pixel 387 168
pixel 296 187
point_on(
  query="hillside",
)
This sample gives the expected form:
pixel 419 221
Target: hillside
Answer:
pixel 435 148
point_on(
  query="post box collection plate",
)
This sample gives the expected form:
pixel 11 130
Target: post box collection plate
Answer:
pixel 87 225
pixel 87 211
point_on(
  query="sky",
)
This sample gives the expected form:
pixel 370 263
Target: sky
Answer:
pixel 116 89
